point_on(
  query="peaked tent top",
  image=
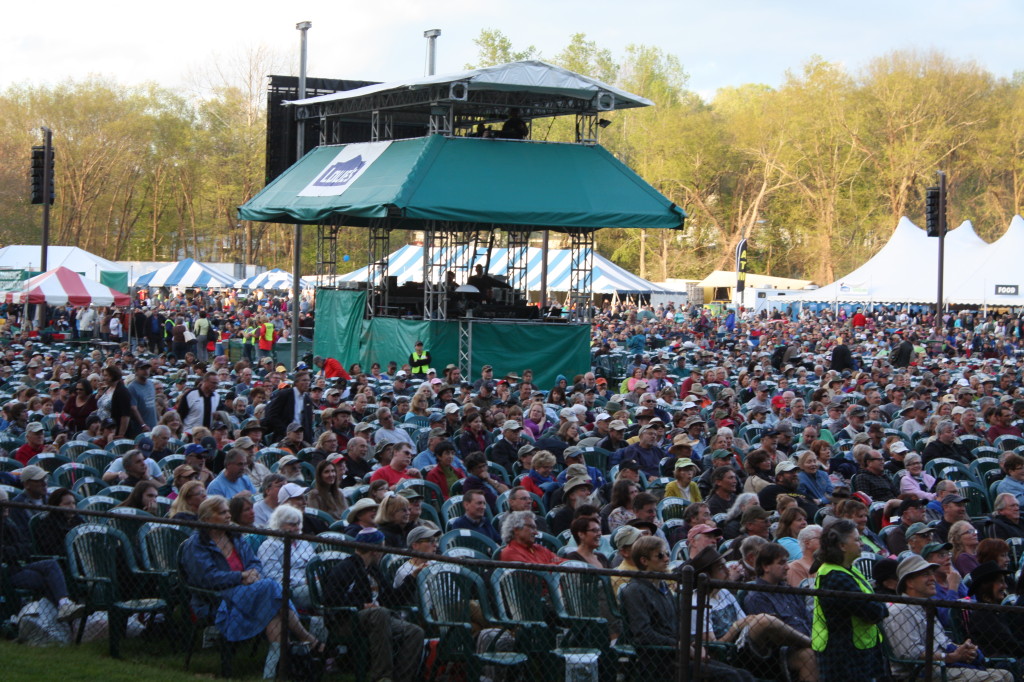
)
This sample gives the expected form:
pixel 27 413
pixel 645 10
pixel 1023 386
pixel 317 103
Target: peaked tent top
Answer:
pixel 472 183
pixel 532 76
pixel 186 273
pixel 61 286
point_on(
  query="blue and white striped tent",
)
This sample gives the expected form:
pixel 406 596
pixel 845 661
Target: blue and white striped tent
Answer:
pixel 407 265
pixel 273 280
pixel 187 273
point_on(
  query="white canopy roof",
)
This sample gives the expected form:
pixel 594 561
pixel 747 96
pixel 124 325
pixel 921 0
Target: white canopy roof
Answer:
pixel 530 76
pixel 905 269
pixel 27 257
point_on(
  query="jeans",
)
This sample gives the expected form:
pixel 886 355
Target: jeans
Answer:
pixel 44 577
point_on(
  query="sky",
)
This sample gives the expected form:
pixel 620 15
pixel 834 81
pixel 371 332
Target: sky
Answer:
pixel 720 44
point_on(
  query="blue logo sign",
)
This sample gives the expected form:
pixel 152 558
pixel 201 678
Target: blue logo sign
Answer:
pixel 340 174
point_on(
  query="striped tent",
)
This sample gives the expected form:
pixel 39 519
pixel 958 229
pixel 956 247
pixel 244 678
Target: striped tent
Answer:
pixel 62 286
pixel 273 280
pixel 187 273
pixel 407 265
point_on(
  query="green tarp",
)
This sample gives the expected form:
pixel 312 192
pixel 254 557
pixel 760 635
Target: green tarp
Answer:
pixel 547 349
pixel 466 182
pixel 118 281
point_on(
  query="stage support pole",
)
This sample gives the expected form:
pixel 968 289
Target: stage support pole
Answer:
pixel 303 27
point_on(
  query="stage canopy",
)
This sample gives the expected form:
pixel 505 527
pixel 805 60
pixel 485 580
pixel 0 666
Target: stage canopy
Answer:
pixel 27 257
pixel 62 286
pixel 407 265
pixel 275 280
pixel 188 273
pixel 474 183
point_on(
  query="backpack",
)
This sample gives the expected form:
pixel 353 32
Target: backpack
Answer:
pixel 211 334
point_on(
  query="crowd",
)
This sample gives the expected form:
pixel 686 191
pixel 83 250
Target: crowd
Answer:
pixel 874 452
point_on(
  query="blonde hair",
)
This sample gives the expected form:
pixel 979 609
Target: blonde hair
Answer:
pixel 388 507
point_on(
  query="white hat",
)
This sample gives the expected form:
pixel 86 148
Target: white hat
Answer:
pixel 288 491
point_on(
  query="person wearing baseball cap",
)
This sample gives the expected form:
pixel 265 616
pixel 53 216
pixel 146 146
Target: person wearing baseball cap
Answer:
pixel 684 487
pixel 701 536
pixel 905 626
pixel 911 512
pixel 616 438
pixel 645 452
pixel 356 582
pixel 787 482
pixel 506 451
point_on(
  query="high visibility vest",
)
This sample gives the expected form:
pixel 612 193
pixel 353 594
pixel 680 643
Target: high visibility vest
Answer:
pixel 418 367
pixel 865 635
pixel 268 331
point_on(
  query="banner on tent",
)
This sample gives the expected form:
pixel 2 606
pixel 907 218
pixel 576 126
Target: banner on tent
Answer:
pixel 344 169
pixel 1007 290
pixel 10 280
pixel 850 290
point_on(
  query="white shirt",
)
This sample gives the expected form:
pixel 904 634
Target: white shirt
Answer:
pixel 299 404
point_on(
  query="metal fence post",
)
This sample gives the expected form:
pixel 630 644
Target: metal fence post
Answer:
pixel 283 666
pixel 702 602
pixel 685 595
pixel 929 643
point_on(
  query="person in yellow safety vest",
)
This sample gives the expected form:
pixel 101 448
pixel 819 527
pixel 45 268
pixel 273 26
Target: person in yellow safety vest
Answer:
pixel 419 361
pixel 845 634
pixel 265 337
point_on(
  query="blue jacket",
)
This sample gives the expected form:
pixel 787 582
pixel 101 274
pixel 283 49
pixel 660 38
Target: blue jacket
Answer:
pixel 817 488
pixel 205 566
pixel 485 527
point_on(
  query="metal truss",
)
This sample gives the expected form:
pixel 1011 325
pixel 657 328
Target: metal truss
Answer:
pixel 518 262
pixel 377 268
pixel 587 128
pixel 326 255
pixel 436 242
pixel 466 347
pixel 581 275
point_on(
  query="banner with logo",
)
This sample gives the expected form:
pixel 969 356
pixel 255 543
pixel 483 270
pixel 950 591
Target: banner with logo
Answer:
pixel 344 169
pixel 11 280
pixel 741 267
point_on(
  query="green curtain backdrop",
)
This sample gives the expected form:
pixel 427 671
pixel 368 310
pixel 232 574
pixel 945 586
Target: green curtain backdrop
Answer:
pixel 339 318
pixel 118 281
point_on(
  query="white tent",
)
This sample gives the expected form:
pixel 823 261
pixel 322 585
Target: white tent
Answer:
pixel 997 279
pixel 27 257
pixel 905 270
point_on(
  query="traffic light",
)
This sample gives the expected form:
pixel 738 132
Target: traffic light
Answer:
pixel 38 172
pixel 933 211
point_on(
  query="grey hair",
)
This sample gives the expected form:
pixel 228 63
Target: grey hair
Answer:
pixel 754 543
pixel 513 522
pixel 1003 499
pixel 944 426
pixel 270 480
pixel 127 457
pixel 725 431
pixel 804 536
pixel 235 454
pixel 743 500
pixel 284 514
pixel 161 430
pixel 242 400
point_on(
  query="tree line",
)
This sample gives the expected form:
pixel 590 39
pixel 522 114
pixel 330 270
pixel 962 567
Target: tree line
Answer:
pixel 814 173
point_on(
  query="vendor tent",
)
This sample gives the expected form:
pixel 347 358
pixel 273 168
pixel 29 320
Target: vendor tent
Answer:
pixel 62 286
pixel 28 257
pixel 905 270
pixel 406 265
pixel 274 280
pixel 188 273
pixel 995 278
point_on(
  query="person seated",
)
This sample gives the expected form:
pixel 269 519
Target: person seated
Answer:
pixel 514 128
pixel 232 480
pixel 324 494
pixel 49 532
pixel 243 514
pixel 997 634
pixel 294 495
pixel 539 480
pixel 479 478
pixel 1005 520
pixel 911 511
pixel 293 439
pixel 132 467
pixel 1013 483
pixel 271 554
pixel 474 517
pixel 185 506
pixel 142 497
pixel 361 516
pixel 223 561
pixel 724 484
pixel 445 473
pixel 395 645
pixel 587 534
pixel 871 478
pixel 290 467
pixel 905 627
pixel 43 577
pixel 651 617
pixel 809 539
pixel 422 539
pixel 393 520
pixel 772 567
pixel 576 492
pixel 519 535
pixel 398 469
pixel 684 486
pixel 916 481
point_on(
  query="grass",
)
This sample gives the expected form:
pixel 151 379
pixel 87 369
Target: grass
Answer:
pixel 152 661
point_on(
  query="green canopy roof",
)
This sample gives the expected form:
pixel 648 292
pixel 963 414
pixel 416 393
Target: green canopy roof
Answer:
pixel 466 181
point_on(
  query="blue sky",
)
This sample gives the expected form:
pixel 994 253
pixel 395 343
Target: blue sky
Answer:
pixel 720 44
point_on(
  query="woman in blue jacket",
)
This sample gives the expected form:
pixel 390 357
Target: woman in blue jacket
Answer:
pixel 223 561
pixel 814 482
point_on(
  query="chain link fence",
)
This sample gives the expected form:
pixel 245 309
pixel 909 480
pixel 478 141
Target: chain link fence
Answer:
pixel 183 589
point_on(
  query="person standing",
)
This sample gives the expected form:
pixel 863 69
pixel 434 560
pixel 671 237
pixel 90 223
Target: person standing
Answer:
pixel 419 361
pixel 201 328
pixel 143 394
pixel 196 407
pixel 265 337
pixel 290 405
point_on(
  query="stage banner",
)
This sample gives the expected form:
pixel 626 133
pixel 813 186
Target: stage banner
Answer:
pixel 339 324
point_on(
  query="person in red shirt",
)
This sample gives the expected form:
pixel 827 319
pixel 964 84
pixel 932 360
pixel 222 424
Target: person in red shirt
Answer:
pixel 35 443
pixel 1002 419
pixel 331 368
pixel 519 533
pixel 398 469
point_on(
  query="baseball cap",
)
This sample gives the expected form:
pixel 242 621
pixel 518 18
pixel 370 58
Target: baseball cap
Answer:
pixel 294 426
pixel 33 473
pixel 288 491
pixel 370 536
pixel 702 529
pixel 511 425
pixel 630 464
pixel 451 408
pixel 933 547
pixel 37 427
pixel 625 536
pixel 362 426
pixel 684 463
pixel 785 465
pixel 411 493
pixel 898 447
pixel 195 449
pixel 603 416
pixel 953 498
pixel 617 425
pixel 573 451
pixel 911 503
pixel 421 533
pixel 145 445
pixel 753 513
pixel 287 459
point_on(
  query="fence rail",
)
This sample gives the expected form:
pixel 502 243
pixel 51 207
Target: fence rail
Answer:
pixel 564 635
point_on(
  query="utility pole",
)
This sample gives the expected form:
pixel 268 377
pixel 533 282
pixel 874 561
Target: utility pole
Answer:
pixel 303 27
pixel 935 224
pixel 42 193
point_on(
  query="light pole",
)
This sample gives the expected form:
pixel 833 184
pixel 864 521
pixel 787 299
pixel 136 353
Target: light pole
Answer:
pixel 303 27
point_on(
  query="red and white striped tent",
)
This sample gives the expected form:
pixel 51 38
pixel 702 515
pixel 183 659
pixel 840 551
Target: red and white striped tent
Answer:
pixel 62 286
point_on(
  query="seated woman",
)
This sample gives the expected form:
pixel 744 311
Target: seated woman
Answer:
pixel 143 496
pixel 758 465
pixel 536 421
pixel 813 480
pixel 620 509
pixel 326 447
pixel 568 433
pixel 916 481
pixel 43 577
pixel 474 436
pixel 242 513
pixel 222 561
pixel 49 531
pixel 445 473
pixel 186 505
pixel 271 553
pixel 587 534
pixel 540 479
pixel 792 521
pixel 393 520
pixel 964 538
pixel 325 495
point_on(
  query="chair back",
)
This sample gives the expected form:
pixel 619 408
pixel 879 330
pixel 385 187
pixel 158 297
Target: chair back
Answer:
pixel 96 554
pixel 158 545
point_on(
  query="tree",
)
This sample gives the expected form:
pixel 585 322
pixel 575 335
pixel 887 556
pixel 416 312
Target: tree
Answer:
pixel 494 47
